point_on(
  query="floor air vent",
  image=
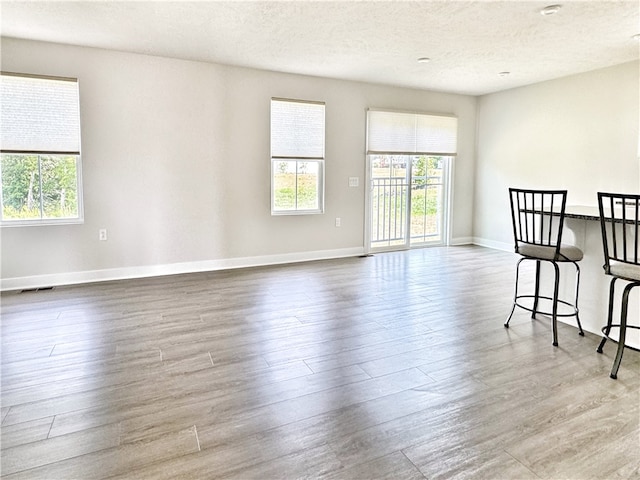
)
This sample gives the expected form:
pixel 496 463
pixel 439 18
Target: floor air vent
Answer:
pixel 37 289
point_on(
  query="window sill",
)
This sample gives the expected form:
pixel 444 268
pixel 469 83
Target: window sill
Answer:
pixel 41 222
pixel 279 213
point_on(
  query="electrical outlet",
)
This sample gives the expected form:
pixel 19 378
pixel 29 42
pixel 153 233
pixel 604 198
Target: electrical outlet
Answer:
pixel 338 221
pixel 102 234
pixel 354 181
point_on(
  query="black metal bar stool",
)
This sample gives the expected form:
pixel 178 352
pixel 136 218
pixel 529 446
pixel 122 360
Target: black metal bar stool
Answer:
pixel 538 219
pixel 620 224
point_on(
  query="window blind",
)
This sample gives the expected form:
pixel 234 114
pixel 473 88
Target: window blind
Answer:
pixel 39 114
pixel 297 129
pixel 410 133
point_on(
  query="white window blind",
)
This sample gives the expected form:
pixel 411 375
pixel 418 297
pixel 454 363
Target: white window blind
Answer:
pixel 297 129
pixel 39 114
pixel 410 133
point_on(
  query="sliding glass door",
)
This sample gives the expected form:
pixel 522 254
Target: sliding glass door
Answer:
pixel 407 200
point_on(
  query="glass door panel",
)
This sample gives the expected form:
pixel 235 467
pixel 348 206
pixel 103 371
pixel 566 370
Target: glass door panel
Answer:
pixel 389 200
pixel 427 200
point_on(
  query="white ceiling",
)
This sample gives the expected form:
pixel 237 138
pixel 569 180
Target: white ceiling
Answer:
pixel 469 42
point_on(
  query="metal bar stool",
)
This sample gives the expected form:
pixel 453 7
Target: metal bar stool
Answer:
pixel 619 221
pixel 538 218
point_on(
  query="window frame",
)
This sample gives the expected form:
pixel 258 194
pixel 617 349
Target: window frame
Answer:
pixel 51 151
pixel 292 157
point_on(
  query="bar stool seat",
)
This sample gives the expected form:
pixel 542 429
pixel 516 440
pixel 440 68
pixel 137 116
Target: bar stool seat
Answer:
pixel 538 218
pixel 624 270
pixel 568 253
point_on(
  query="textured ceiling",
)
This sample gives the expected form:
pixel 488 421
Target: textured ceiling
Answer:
pixel 469 42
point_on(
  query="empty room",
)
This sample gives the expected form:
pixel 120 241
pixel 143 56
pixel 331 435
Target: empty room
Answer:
pixel 320 239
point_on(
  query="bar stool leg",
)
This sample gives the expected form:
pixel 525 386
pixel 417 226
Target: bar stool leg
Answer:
pixel 623 331
pixel 515 295
pixel 607 330
pixel 580 332
pixel 556 287
pixel 536 294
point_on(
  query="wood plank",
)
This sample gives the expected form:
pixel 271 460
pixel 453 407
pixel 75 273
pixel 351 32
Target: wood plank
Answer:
pixel 47 451
pixel 21 433
pixel 119 460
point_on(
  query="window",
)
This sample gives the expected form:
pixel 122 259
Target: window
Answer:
pixel 40 150
pixel 297 157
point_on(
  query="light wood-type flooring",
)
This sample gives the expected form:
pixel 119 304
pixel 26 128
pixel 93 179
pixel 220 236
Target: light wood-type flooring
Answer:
pixel 392 366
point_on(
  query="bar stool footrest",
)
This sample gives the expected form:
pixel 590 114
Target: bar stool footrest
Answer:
pixel 615 340
pixel 574 313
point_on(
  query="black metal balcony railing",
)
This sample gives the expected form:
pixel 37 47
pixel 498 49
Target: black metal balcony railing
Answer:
pixel 390 209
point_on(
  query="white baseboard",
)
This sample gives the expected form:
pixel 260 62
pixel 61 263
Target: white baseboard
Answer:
pixel 91 276
pixel 461 241
pixel 483 242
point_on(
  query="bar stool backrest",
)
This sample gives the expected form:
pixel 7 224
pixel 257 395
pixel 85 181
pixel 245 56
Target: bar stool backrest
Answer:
pixel 538 218
pixel 620 224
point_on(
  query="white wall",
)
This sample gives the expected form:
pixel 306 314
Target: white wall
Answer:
pixel 579 132
pixel 175 158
